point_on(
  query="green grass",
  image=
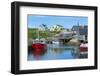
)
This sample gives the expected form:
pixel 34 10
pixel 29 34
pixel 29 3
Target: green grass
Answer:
pixel 32 33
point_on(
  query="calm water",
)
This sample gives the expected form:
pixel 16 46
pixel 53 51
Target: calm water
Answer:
pixel 56 51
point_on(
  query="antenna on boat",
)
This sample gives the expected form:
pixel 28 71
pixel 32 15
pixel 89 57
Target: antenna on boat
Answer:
pixel 38 36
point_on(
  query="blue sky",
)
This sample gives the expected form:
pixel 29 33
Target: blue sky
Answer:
pixel 66 21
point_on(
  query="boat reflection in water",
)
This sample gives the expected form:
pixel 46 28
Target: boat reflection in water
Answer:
pixel 54 52
pixel 38 53
pixel 65 51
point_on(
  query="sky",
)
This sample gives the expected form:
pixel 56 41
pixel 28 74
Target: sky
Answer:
pixel 65 21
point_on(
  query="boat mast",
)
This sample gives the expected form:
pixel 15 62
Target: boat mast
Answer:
pixel 38 34
pixel 78 28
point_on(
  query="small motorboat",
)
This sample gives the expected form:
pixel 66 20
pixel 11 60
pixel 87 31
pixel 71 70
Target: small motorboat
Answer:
pixel 55 42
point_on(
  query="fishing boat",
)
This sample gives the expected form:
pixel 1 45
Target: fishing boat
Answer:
pixel 55 42
pixel 84 48
pixel 39 46
pixel 39 49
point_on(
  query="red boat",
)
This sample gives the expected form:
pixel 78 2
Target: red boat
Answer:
pixel 39 46
pixel 84 47
pixel 39 49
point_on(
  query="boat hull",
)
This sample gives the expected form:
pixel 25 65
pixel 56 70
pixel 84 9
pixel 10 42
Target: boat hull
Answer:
pixel 83 49
pixel 39 49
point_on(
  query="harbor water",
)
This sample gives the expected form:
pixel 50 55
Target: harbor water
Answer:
pixel 56 52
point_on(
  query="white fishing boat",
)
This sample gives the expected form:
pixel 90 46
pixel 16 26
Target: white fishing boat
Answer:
pixel 55 42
